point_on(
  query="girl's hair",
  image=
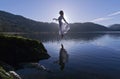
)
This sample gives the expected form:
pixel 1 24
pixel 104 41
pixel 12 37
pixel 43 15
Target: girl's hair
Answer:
pixel 61 13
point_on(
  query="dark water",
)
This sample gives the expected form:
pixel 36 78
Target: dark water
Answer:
pixel 85 56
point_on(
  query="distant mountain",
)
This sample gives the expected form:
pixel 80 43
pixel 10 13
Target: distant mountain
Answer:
pixel 88 26
pixel 115 27
pixel 16 23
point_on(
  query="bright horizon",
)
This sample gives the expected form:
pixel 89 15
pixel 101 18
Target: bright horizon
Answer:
pixel 104 12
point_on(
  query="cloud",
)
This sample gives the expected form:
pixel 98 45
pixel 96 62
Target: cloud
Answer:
pixel 107 17
pixel 101 19
pixel 114 14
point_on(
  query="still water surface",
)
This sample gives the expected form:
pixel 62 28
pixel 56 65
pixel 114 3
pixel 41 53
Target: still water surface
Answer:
pixel 83 56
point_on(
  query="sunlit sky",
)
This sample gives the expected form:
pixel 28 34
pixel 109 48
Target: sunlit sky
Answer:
pixel 104 12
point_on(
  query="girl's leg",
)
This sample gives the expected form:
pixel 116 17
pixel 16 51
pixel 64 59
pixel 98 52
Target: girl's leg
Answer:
pixel 61 32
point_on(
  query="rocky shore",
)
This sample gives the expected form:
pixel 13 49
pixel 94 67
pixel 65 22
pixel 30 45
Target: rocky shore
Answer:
pixel 15 49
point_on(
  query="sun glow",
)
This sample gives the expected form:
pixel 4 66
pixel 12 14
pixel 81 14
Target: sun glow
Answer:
pixel 66 18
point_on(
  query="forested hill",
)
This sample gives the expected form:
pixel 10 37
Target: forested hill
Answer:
pixel 88 26
pixel 115 27
pixel 15 23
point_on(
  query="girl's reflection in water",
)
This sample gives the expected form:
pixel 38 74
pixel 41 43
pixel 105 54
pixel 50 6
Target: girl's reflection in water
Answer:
pixel 63 57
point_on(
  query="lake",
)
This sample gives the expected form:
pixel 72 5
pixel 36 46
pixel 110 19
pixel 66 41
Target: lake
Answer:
pixel 77 56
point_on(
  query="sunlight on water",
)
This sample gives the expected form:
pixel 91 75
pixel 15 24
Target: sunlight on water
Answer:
pixel 84 56
pixel 69 44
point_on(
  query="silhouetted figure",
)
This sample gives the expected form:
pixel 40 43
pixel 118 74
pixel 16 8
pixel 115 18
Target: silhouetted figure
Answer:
pixel 63 28
pixel 63 57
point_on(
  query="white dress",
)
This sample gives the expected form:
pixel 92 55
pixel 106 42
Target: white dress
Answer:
pixel 63 27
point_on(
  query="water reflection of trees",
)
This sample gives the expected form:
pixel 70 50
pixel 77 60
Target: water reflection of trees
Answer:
pixel 85 36
pixel 45 37
pixel 114 35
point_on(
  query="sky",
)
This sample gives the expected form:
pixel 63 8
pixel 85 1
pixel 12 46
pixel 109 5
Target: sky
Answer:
pixel 104 12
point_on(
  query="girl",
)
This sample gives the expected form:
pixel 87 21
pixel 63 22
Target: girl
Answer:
pixel 63 28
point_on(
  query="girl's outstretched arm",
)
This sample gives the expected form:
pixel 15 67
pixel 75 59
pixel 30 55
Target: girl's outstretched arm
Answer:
pixel 55 19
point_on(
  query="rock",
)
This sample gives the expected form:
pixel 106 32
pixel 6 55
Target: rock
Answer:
pixel 7 71
pixel 18 49
pixel 8 75
pixel 36 66
pixel 6 66
pixel 14 74
pixel 4 74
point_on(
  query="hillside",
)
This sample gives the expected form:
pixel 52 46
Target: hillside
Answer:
pixel 115 27
pixel 16 23
pixel 88 26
